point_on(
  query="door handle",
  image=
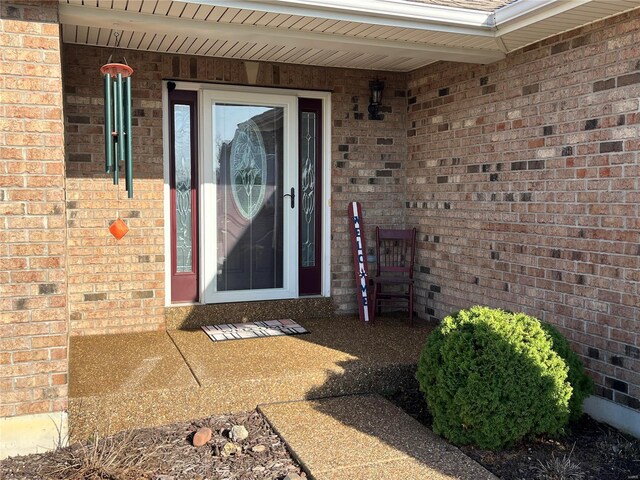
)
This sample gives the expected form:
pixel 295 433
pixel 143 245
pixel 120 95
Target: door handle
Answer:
pixel 293 197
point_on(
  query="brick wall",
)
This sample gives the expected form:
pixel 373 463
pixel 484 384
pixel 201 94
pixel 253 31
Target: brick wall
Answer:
pixel 33 311
pixel 117 286
pixel 522 177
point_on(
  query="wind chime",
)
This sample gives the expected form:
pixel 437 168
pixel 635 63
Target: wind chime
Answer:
pixel 117 128
pixel 117 120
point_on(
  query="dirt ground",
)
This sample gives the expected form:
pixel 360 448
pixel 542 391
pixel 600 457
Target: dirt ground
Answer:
pixel 591 450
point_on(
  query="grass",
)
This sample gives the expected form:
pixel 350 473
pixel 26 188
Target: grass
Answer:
pixel 560 469
pixel 614 446
pixel 109 458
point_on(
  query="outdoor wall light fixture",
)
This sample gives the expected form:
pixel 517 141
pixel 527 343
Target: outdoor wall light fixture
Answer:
pixel 117 120
pixel 376 99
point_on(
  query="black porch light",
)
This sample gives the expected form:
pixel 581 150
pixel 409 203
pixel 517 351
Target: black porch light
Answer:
pixel 376 87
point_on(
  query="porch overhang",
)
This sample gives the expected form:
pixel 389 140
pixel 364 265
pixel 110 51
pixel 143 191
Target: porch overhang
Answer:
pixel 393 35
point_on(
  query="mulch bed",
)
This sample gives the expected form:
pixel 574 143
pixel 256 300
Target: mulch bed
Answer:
pixel 590 450
pixel 165 453
pixel 593 450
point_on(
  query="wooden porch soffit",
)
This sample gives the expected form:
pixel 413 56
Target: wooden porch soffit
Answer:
pixel 392 35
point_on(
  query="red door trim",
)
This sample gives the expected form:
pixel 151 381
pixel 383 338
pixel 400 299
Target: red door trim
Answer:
pixel 184 285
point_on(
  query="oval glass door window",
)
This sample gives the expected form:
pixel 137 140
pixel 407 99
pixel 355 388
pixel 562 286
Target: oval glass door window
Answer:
pixel 248 168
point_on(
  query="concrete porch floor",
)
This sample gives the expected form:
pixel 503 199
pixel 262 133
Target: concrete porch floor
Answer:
pixel 137 380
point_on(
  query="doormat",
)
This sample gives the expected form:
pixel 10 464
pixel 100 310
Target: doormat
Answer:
pixel 239 331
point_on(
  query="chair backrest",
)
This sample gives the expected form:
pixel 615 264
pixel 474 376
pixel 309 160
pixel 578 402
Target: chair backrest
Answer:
pixel 395 251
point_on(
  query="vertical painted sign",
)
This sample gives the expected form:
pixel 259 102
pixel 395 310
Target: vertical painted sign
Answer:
pixel 356 225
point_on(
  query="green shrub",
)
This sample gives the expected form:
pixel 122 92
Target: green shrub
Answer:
pixel 492 378
pixel 581 384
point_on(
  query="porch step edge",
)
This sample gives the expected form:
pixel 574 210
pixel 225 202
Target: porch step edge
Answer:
pixel 195 316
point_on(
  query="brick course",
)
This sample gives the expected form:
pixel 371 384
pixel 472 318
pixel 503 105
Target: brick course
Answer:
pixel 33 307
pixel 118 286
pixel 524 188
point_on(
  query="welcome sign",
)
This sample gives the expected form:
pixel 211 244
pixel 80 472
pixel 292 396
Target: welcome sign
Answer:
pixel 356 225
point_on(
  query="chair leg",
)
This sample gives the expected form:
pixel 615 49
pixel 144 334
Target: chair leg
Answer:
pixel 372 309
pixel 411 305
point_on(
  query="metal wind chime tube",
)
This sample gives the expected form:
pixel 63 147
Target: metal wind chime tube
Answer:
pixel 120 124
pixel 127 139
pixel 108 125
pixel 117 121
pixel 117 114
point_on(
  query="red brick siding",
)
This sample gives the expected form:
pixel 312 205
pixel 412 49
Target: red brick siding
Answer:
pixel 117 286
pixel 33 309
pixel 522 177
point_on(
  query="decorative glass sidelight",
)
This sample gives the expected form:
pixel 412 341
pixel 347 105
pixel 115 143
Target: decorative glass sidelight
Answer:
pixel 310 181
pixel 184 227
pixel 183 194
pixel 248 163
pixel 308 177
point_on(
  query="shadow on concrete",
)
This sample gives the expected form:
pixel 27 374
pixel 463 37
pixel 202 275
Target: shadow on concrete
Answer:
pixel 536 400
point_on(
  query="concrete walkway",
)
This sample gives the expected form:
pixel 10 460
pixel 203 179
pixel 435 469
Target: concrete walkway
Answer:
pixel 365 437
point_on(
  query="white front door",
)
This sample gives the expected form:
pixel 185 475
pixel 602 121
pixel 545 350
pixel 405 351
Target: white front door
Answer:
pixel 250 227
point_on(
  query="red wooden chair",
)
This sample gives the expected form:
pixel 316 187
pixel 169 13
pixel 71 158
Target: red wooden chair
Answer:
pixel 395 256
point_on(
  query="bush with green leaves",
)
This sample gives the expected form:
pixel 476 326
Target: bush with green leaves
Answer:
pixel 580 382
pixel 492 378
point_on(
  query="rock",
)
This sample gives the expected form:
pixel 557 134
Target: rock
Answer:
pixel 230 448
pixel 259 448
pixel 293 476
pixel 202 436
pixel 238 433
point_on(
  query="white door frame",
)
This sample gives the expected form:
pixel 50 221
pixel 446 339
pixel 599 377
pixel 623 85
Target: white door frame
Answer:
pixel 207 188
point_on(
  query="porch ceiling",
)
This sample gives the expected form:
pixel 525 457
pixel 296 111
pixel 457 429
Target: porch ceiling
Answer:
pixel 393 35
